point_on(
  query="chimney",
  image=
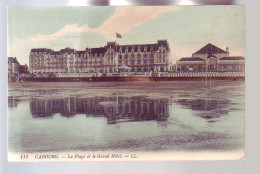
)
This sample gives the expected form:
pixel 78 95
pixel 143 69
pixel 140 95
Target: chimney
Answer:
pixel 227 49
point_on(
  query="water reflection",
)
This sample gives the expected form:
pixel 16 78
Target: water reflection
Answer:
pixel 122 109
pixel 13 101
pixel 208 108
pixel 116 109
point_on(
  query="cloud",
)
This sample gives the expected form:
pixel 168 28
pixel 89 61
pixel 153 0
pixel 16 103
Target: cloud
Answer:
pixel 67 29
pixel 122 21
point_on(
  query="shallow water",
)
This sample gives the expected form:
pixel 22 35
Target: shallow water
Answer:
pixel 131 116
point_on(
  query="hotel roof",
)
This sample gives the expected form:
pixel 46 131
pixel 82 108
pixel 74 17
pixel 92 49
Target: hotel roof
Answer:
pixel 102 50
pixel 137 46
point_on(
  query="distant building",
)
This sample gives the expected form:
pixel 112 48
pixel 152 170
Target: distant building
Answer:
pixel 107 59
pixel 13 66
pixel 211 58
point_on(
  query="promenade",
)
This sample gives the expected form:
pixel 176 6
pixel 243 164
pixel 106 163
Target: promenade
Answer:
pixel 133 74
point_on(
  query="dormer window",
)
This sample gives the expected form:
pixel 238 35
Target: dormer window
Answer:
pixel 132 49
pixel 139 49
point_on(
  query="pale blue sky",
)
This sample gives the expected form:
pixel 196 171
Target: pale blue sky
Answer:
pixel 187 28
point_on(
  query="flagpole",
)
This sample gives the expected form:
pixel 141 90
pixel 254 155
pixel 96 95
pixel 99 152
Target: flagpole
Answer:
pixel 116 56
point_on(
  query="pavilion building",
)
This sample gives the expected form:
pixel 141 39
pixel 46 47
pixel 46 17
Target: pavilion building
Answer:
pixel 211 58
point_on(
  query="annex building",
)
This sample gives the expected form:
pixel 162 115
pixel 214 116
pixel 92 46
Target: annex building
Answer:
pixel 108 59
pixel 211 58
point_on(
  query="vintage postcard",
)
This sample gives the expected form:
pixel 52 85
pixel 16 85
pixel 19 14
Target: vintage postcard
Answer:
pixel 126 83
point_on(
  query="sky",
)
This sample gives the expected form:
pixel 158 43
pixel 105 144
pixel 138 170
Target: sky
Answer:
pixel 186 28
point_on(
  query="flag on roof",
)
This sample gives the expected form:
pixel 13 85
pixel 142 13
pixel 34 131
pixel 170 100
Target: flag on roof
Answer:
pixel 118 35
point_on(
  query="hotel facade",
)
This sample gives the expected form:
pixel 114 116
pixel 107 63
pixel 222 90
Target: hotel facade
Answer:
pixel 108 59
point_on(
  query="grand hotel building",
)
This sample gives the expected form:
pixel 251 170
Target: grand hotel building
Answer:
pixel 107 59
